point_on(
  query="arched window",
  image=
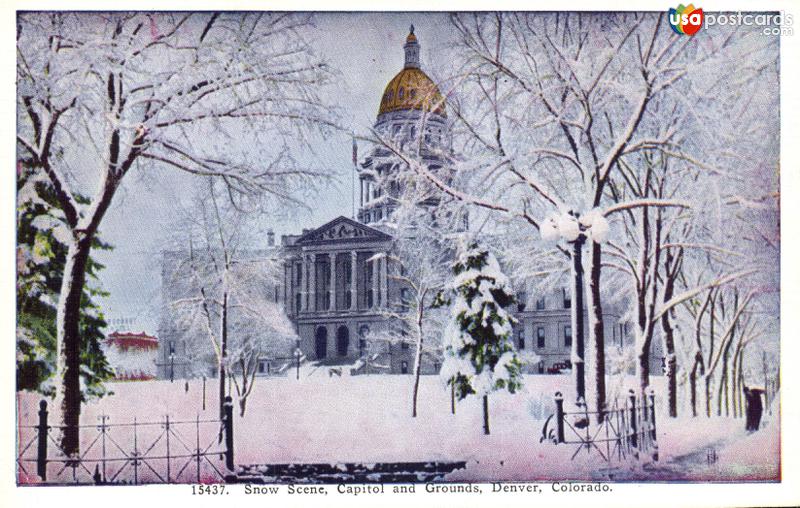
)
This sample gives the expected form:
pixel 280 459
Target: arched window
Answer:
pixel 342 340
pixel 321 343
pixel 400 93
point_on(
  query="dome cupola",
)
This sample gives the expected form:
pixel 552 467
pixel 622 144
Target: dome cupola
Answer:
pixel 411 48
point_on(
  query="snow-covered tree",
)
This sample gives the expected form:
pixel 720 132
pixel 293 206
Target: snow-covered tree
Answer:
pixel 41 253
pixel 480 357
pixel 223 290
pixel 102 95
pixel 256 334
pixel 421 256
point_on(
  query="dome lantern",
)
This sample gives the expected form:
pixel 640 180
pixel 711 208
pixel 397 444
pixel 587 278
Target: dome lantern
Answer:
pixel 411 48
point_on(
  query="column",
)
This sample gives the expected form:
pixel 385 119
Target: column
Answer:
pixel 312 285
pixel 384 280
pixel 303 284
pixel 353 284
pixel 375 282
pixel 332 257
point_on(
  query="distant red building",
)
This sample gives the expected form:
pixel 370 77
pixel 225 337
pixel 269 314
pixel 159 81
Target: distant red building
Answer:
pixel 132 355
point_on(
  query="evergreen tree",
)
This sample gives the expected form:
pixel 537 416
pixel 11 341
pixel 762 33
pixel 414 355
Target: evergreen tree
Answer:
pixel 480 358
pixel 41 254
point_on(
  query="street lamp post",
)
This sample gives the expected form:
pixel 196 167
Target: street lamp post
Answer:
pixel 577 316
pixel 575 231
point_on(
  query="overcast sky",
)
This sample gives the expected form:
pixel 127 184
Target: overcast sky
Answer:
pixel 366 49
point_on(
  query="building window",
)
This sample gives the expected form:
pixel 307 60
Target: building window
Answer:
pixel 540 304
pixel 412 93
pixel 567 297
pixel 404 367
pixel 405 345
pixel 567 336
pixel 405 299
pixel 540 337
pixel 401 93
pixel 172 347
pixel 521 339
pixel 522 300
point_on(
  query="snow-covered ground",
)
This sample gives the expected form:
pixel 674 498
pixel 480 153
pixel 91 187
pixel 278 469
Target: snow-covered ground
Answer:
pixel 368 419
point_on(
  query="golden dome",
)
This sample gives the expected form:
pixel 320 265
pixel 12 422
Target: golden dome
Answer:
pixel 412 89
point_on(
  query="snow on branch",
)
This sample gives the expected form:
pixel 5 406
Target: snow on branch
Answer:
pixel 639 203
pixel 686 295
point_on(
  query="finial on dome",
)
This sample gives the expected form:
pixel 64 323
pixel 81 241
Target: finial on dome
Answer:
pixel 412 28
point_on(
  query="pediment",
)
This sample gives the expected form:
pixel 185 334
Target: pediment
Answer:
pixel 342 229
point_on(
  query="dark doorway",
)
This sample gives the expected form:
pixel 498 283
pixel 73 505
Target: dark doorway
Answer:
pixel 342 340
pixel 321 343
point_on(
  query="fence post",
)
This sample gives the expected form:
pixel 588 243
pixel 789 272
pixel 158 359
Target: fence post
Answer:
pixel 41 455
pixel 633 437
pixel 228 423
pixel 560 417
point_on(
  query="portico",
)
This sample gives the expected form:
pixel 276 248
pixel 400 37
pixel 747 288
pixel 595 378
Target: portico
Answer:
pixel 337 280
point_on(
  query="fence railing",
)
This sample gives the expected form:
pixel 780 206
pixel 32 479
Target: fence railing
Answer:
pixel 133 452
pixel 626 430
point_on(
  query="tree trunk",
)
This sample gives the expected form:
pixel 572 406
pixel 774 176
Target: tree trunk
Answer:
pixel 669 337
pixel 579 366
pixel 644 367
pixel 597 331
pixel 672 363
pixel 223 353
pixel 417 364
pixel 693 388
pixel 453 397
pixel 69 343
pixel 486 414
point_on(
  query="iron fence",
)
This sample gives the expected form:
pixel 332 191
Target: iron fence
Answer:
pixel 623 431
pixel 134 452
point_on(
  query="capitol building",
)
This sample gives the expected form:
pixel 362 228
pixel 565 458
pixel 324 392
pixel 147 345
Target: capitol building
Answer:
pixel 337 287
